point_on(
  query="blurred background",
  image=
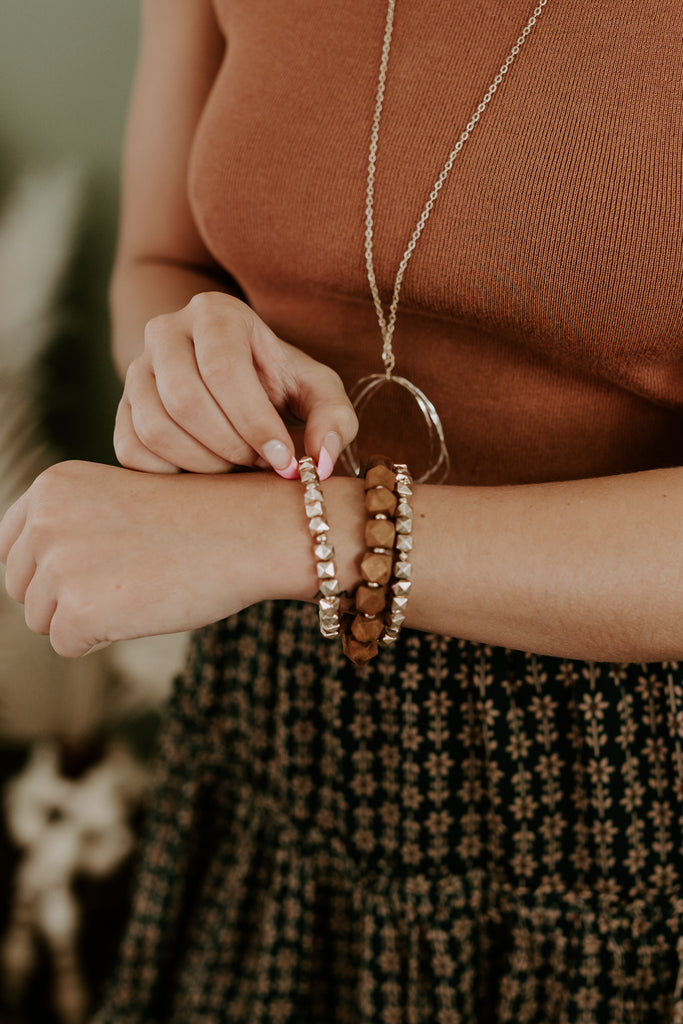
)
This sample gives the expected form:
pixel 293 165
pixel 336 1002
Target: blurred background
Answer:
pixel 75 737
pixel 66 72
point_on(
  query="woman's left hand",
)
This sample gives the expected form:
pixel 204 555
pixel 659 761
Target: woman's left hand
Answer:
pixel 98 553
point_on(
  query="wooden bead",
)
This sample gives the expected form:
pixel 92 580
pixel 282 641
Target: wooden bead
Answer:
pixel 380 500
pixel 357 652
pixel 380 476
pixel 376 568
pixel 365 629
pixel 379 533
pixel 371 600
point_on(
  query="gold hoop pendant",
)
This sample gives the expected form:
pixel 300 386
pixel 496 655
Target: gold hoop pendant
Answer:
pixel 359 396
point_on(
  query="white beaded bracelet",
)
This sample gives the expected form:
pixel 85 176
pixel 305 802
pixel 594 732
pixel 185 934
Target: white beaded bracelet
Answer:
pixel 328 593
pixel 403 545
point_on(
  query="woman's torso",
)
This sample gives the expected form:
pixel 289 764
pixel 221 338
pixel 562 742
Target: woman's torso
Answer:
pixel 542 310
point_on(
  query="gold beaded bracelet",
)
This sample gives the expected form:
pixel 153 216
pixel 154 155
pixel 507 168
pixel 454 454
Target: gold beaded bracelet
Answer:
pixel 328 593
pixel 403 546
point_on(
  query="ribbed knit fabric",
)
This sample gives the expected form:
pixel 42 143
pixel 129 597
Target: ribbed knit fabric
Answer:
pixel 543 309
pixel 454 834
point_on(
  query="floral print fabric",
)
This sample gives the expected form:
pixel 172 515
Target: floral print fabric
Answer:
pixel 454 834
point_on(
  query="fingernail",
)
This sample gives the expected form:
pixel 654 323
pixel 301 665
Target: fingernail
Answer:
pixel 329 453
pixel 292 471
pixel 280 458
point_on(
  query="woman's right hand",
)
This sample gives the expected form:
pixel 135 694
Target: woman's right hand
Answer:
pixel 211 388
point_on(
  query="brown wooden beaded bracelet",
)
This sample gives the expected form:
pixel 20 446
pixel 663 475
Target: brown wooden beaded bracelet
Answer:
pixel 371 620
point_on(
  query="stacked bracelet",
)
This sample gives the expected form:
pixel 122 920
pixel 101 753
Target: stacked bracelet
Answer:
pixel 377 607
pixel 328 593
pixel 403 546
pixel 367 621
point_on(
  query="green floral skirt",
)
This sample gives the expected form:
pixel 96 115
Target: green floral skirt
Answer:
pixel 454 834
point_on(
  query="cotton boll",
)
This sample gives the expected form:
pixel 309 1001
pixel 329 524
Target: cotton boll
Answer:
pixel 57 915
pixel 35 796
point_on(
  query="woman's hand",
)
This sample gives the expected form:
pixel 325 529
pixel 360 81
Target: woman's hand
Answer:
pixel 210 391
pixel 98 553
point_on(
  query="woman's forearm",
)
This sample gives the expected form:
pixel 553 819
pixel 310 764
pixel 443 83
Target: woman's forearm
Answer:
pixel 585 569
pixel 589 569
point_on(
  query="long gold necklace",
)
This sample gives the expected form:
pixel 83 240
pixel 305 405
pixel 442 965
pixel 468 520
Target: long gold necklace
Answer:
pixel 367 386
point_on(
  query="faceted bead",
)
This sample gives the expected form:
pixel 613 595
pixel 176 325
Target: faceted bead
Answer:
pixel 404 542
pixel 323 552
pixel 329 587
pixel 376 568
pixel 326 570
pixel 357 652
pixel 401 587
pixel 403 570
pixel 318 525
pixel 370 600
pixel 365 629
pixel 379 533
pixel 380 476
pixel 404 525
pixel 379 499
pixel 314 508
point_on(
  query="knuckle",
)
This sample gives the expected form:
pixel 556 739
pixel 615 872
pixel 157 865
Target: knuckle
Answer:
pixel 348 420
pixel 157 329
pixel 203 305
pixel 179 404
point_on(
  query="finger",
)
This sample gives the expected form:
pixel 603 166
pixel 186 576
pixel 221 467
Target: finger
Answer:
pixel 161 435
pixel 189 402
pixel 11 526
pixel 129 449
pixel 230 375
pixel 21 567
pixel 331 421
pixel 39 607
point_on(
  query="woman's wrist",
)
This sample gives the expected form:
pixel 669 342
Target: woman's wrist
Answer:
pixel 289 561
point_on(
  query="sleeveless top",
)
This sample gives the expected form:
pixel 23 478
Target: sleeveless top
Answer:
pixel 542 311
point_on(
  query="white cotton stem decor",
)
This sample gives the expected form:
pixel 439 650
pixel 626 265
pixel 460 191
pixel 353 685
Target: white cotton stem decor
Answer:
pixel 64 828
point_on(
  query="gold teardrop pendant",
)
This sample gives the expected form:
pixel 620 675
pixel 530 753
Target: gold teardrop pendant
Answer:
pixel 439 465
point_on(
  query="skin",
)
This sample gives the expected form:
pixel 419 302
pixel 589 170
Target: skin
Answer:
pixel 585 569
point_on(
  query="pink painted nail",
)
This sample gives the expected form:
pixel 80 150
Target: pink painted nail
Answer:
pixel 291 472
pixel 325 464
pixel 281 459
pixel 329 453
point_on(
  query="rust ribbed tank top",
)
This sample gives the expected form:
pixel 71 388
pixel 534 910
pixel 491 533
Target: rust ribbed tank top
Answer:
pixel 543 309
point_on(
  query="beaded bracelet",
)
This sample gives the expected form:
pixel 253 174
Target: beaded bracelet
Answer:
pixel 328 593
pixel 403 546
pixel 376 611
pixel 367 622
